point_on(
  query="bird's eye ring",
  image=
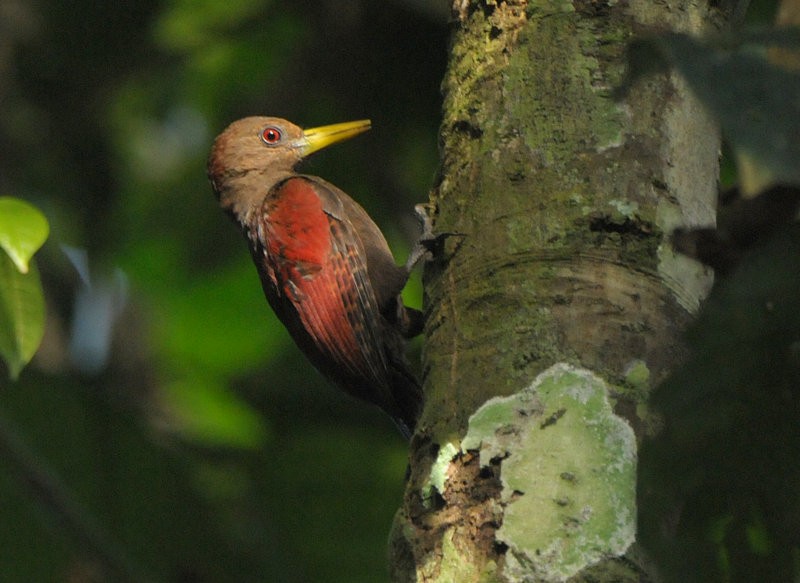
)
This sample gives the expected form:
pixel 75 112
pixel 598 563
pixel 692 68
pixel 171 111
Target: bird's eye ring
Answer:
pixel 271 136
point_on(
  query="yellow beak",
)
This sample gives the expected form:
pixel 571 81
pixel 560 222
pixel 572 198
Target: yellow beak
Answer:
pixel 315 139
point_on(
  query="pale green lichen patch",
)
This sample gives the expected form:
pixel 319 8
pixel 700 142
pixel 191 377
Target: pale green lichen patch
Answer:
pixel 637 374
pixel 569 473
pixel 626 208
pixel 495 422
pixel 438 475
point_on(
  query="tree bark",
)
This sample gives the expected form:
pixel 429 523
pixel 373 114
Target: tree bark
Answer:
pixel 557 302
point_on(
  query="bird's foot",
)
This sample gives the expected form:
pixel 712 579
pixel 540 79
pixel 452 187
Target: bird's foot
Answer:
pixel 429 243
pixel 421 249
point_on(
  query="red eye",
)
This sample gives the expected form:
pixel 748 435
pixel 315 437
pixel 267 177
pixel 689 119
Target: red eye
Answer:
pixel 271 136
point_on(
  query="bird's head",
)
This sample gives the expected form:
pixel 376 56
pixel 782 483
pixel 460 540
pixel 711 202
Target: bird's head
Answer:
pixel 255 152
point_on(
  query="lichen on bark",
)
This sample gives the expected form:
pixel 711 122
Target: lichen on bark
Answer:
pixel 559 201
pixel 568 473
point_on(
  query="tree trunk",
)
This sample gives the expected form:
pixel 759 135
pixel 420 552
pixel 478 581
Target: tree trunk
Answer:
pixel 557 302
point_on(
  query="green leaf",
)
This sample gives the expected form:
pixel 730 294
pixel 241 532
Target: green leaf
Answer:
pixel 755 100
pixel 21 314
pixel 23 229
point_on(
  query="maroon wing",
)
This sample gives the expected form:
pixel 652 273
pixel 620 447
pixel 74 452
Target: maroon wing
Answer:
pixel 318 266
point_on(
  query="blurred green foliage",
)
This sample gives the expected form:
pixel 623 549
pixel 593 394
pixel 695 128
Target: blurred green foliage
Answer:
pixel 718 484
pixel 167 412
pixel 23 230
pixel 755 101
pixel 718 499
pixel 168 430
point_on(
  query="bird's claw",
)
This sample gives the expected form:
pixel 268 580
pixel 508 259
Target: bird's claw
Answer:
pixel 429 243
pixel 423 212
pixel 421 249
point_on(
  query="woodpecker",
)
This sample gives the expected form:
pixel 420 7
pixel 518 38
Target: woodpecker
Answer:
pixel 325 267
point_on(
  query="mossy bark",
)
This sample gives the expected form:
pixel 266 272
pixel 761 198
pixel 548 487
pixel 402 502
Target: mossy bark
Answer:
pixel 560 200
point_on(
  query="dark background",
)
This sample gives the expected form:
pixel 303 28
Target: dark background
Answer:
pixel 166 404
pixel 170 424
